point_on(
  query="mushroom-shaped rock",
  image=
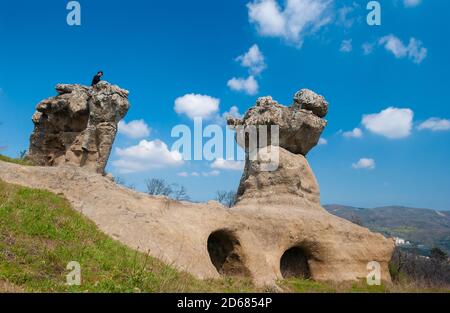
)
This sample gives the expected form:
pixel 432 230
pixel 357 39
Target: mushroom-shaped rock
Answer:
pixel 299 129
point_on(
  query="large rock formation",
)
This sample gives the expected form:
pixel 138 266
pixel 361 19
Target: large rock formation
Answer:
pixel 299 128
pixel 277 229
pixel 78 126
pixel 309 242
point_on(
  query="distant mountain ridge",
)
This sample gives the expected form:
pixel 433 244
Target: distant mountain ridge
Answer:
pixel 424 228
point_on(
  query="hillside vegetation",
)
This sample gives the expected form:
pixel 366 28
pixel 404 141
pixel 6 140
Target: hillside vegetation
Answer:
pixel 40 234
pixel 424 228
pixel 5 158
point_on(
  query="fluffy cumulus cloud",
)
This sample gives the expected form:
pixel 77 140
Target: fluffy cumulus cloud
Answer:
pixel 365 164
pixel 393 123
pixel 228 164
pixel 435 124
pixel 322 142
pixel 233 112
pixel 414 50
pixel 253 59
pixel 147 155
pixel 346 46
pixel 355 133
pixel 411 3
pixel 292 22
pixel 134 129
pixel 248 85
pixel 195 105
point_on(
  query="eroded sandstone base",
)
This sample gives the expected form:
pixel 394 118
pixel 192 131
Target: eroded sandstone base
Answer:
pixel 178 232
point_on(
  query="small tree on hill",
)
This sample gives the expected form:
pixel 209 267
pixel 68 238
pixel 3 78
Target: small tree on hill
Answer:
pixel 158 187
pixel 227 198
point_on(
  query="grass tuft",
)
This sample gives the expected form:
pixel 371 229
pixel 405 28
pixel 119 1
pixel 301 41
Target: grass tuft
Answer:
pixel 5 158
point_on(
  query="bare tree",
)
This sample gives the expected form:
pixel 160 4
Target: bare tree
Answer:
pixel 22 154
pixel 158 187
pixel 179 193
pixel 433 271
pixel 119 180
pixel 227 198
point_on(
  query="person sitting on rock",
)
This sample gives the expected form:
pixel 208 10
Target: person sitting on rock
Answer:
pixel 97 78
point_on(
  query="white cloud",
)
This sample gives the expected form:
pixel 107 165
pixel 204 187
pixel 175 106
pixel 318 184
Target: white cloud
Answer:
pixel 211 173
pixel 346 46
pixel 253 59
pixel 343 15
pixel 196 174
pixel 392 122
pixel 414 51
pixel 134 129
pixel 322 141
pixel 411 3
pixel 233 112
pixel 355 133
pixel 227 164
pixel 368 48
pixel 249 85
pixel 435 124
pixel 147 155
pixel 364 163
pixel 195 105
pixel 297 19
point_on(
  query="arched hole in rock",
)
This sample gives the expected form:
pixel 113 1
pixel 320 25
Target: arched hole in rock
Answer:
pixel 294 263
pixel 226 254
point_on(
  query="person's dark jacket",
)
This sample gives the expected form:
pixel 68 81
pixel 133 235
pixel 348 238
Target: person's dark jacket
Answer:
pixel 96 80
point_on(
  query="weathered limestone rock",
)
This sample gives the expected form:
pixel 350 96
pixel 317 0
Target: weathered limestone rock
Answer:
pixel 299 129
pixel 293 179
pixel 310 101
pixel 78 126
pixel 277 229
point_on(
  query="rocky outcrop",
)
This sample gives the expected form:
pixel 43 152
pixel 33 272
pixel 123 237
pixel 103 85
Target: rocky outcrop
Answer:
pixel 291 182
pixel 310 101
pixel 277 229
pixel 78 126
pixel 299 129
pixel 309 242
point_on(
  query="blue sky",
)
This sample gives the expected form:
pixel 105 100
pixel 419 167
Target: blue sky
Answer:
pixel 162 51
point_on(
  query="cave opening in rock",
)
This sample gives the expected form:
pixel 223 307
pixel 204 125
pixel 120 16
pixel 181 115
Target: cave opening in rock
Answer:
pixel 294 263
pixel 226 254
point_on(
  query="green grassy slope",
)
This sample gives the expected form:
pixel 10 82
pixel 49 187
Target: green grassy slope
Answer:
pixel 40 234
pixel 5 158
